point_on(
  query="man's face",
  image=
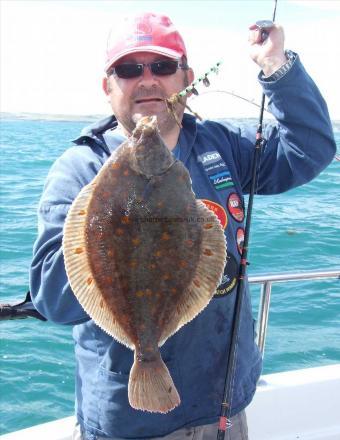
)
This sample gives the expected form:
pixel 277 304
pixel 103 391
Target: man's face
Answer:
pixel 144 96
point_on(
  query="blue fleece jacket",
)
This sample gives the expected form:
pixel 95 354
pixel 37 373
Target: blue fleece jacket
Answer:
pixel 218 158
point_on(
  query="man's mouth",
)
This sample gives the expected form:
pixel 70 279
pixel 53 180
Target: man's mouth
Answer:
pixel 144 100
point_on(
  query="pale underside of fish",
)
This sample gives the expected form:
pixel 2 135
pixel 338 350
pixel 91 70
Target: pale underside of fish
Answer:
pixel 143 256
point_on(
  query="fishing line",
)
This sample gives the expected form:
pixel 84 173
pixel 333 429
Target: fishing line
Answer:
pixel 235 95
pixel 226 405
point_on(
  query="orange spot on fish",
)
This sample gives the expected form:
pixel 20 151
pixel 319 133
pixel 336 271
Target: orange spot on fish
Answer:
pixel 148 292
pixel 89 280
pixel 115 166
pixel 125 219
pixel 165 236
pixel 166 277
pixel 110 253
pixel 119 231
pixel 136 241
pixel 108 280
pixel 189 243
pixel 208 226
pixel 78 250
pixel 139 293
pixel 101 304
pixel 158 253
pixel 82 212
pixel 183 263
pixel 173 290
pixel 133 263
pixel 208 252
pixel 126 172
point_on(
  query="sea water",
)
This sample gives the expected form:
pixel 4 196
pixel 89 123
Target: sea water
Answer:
pixel 291 232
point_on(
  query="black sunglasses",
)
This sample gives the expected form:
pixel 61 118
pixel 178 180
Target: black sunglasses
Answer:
pixel 134 70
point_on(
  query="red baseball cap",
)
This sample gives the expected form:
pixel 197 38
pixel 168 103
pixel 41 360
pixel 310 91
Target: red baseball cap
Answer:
pixel 147 32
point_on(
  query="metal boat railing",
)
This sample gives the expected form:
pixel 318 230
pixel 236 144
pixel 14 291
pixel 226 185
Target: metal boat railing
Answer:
pixel 266 281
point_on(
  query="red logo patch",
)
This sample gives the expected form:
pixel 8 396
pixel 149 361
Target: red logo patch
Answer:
pixel 235 208
pixel 240 239
pixel 218 210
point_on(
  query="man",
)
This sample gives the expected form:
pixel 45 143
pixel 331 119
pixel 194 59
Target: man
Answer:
pixel 145 65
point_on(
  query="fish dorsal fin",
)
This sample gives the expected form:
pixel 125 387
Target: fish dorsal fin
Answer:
pixel 78 269
pixel 208 274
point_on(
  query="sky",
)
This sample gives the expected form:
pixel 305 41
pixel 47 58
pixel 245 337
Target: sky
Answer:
pixel 52 52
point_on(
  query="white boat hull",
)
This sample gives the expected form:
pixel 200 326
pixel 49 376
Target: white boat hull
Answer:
pixel 302 404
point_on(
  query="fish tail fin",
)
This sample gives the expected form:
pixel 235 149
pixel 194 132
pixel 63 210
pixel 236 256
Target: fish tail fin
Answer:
pixel 151 387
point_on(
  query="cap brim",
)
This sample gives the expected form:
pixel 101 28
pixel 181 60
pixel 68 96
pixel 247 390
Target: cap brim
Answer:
pixel 152 49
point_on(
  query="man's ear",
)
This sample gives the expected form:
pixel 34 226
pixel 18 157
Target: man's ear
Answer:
pixel 191 75
pixel 105 85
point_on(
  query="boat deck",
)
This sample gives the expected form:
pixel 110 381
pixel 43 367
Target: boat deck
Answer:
pixel 302 404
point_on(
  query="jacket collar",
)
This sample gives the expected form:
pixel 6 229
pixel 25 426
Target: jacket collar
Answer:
pixel 94 132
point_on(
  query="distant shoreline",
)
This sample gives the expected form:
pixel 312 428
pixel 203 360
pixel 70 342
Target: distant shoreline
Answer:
pixel 96 117
pixel 67 118
pixel 51 117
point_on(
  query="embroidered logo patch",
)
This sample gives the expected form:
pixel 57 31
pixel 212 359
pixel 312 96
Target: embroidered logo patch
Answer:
pixel 211 160
pixel 234 205
pixel 240 239
pixel 229 279
pixel 217 169
pixel 209 157
pixel 218 210
pixel 221 180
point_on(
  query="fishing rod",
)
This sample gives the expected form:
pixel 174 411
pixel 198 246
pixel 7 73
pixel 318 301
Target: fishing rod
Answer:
pixel 226 405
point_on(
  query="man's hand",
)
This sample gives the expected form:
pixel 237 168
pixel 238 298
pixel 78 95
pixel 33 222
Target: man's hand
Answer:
pixel 268 54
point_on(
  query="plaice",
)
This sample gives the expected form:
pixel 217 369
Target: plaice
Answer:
pixel 143 256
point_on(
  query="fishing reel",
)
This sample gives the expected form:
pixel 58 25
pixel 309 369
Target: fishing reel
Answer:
pixel 264 27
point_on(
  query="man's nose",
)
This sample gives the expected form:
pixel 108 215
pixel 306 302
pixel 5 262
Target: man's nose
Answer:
pixel 147 75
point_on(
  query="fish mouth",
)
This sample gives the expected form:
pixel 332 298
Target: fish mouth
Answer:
pixel 145 126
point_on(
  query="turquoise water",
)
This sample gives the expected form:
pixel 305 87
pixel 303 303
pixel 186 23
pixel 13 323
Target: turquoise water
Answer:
pixel 296 231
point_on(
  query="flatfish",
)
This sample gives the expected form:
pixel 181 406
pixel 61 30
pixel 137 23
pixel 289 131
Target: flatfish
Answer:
pixel 143 256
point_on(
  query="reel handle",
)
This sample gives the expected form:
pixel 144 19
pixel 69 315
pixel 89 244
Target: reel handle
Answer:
pixel 264 26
